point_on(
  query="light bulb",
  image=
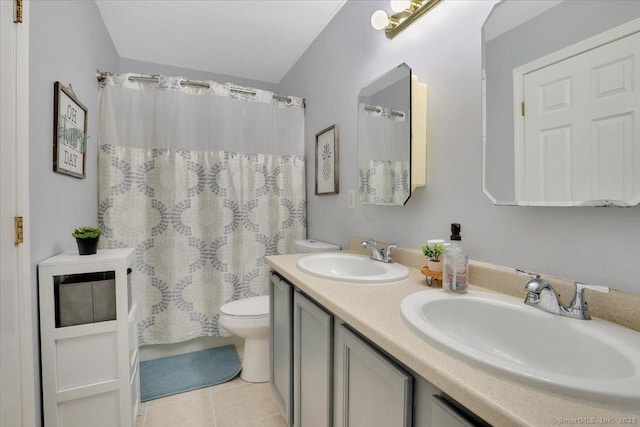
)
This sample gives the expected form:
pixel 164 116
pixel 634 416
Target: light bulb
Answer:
pixel 400 5
pixel 379 19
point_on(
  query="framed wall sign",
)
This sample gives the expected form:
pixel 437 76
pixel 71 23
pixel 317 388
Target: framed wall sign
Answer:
pixel 327 161
pixel 69 132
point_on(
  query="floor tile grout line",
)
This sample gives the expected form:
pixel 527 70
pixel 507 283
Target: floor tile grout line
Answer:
pixel 177 399
pixel 200 390
pixel 238 387
pixel 259 419
pixel 213 409
pixel 144 416
pixel 230 387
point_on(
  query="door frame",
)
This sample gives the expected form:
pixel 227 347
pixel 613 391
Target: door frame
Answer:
pixel 519 73
pixel 18 62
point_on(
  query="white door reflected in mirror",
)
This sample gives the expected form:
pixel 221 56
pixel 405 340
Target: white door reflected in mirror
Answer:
pixel 561 121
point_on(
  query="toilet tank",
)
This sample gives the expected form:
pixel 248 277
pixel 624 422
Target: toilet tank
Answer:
pixel 311 245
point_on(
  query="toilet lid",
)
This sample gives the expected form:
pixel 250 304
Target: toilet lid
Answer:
pixel 254 306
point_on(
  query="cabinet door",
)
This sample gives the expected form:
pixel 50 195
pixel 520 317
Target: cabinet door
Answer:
pixel 443 414
pixel 369 390
pixel 280 306
pixel 312 354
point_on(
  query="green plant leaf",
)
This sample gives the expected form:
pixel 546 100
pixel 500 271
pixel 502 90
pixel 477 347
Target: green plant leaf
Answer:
pixel 86 232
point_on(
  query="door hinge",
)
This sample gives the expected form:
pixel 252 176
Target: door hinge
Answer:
pixel 522 108
pixel 19 230
pixel 17 18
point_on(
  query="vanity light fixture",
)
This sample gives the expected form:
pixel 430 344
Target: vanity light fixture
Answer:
pixel 406 12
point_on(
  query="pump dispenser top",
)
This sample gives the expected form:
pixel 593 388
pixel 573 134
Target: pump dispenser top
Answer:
pixel 455 232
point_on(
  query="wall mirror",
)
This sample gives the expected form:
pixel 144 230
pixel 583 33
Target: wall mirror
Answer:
pixel 561 117
pixel 385 119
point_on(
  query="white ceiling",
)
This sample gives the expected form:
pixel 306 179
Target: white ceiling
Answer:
pixel 253 39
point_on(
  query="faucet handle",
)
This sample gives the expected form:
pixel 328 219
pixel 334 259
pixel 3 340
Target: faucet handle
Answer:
pixel 391 246
pixel 579 305
pixel 368 243
pixel 536 284
pixel 581 287
pixel 533 275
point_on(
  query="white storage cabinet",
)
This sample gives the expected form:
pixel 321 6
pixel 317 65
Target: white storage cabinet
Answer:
pixel 90 371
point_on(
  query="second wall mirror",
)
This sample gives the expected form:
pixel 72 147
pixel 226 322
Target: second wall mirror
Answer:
pixel 391 138
pixel 561 118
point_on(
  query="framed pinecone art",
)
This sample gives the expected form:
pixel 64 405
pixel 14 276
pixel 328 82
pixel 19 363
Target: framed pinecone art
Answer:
pixel 327 161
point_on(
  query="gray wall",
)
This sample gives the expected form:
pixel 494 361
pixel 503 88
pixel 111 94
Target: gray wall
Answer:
pixel 68 41
pixel 594 245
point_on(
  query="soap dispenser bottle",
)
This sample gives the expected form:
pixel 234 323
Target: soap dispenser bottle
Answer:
pixel 455 264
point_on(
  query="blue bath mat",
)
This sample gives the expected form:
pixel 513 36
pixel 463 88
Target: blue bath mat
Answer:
pixel 177 374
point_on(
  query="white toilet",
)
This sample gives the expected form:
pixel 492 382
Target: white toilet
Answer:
pixel 248 318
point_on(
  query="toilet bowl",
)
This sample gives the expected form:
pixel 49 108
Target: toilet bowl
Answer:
pixel 248 318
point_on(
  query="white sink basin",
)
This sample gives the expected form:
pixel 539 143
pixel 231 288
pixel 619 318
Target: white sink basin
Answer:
pixel 594 359
pixel 344 267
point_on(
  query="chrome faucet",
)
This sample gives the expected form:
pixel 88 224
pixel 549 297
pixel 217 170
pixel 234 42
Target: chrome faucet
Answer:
pixel 540 294
pixel 378 254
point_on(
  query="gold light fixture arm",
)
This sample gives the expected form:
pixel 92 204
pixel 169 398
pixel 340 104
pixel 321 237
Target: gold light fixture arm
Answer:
pixel 401 20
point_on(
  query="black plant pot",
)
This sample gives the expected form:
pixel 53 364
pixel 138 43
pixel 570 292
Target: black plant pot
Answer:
pixel 87 246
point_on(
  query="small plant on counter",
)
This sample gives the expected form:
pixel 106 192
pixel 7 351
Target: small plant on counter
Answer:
pixel 433 252
pixel 87 239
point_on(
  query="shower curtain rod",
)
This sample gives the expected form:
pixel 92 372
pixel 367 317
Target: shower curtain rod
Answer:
pixel 381 110
pixel 101 76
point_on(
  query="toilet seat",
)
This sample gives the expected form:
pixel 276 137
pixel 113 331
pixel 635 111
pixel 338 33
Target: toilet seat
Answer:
pixel 247 308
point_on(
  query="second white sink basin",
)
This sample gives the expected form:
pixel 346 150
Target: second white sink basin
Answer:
pixel 352 268
pixel 593 359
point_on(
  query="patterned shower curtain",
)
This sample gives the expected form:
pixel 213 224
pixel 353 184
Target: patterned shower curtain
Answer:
pixel 202 223
pixel 383 152
pixel 383 182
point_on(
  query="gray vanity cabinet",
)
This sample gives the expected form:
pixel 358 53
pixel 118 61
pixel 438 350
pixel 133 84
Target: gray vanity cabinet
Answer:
pixel 312 368
pixel 369 390
pixel 281 363
pixel 325 375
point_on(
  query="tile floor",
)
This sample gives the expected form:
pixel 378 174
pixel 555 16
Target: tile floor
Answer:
pixel 232 404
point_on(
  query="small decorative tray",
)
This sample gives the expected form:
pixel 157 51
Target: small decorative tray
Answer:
pixel 434 278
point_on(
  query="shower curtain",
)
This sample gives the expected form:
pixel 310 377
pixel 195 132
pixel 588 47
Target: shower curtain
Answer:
pixel 203 183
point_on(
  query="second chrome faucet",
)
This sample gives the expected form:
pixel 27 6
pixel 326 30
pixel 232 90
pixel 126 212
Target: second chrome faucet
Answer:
pixel 377 253
pixel 540 294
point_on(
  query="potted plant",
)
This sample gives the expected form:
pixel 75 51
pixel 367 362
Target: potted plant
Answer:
pixel 433 253
pixel 87 239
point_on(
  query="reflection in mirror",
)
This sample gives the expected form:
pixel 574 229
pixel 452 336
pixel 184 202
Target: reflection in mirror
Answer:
pixel 384 139
pixel 561 121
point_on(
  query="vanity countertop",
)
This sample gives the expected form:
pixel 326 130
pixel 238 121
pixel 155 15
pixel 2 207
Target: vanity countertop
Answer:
pixel 374 311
